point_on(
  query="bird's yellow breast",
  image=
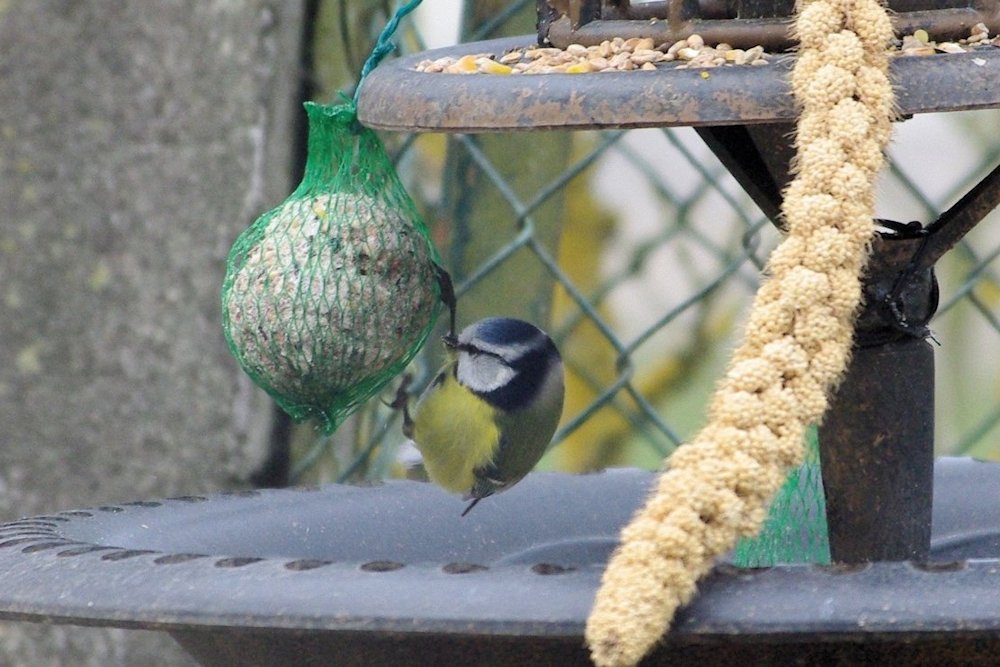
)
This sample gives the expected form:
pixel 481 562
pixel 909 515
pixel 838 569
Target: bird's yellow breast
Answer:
pixel 456 432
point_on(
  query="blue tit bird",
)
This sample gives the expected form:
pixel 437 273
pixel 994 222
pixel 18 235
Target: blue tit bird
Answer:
pixel 488 416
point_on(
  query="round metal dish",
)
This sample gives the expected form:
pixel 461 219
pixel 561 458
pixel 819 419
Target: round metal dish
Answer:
pixel 393 575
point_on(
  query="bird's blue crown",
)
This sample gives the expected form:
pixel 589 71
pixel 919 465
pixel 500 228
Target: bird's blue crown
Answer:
pixel 501 330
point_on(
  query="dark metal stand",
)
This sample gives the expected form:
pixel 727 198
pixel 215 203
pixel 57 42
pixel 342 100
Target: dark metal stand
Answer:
pixel 877 441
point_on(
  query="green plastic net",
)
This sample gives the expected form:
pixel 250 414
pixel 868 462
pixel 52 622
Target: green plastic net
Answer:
pixel 330 295
pixel 795 530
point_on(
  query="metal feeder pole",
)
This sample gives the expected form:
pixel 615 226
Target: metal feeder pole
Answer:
pixel 877 440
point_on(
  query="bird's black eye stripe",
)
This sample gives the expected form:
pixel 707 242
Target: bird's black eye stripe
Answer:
pixel 472 349
pixel 451 342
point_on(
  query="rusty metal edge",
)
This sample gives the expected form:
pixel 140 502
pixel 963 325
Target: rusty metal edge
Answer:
pixel 773 33
pixel 396 97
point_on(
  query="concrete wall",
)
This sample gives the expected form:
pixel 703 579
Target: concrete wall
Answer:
pixel 136 140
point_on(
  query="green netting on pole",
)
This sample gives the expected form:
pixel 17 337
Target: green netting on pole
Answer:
pixel 330 295
pixel 795 530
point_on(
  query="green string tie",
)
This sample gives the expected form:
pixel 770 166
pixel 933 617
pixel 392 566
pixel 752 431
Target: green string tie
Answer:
pixel 383 45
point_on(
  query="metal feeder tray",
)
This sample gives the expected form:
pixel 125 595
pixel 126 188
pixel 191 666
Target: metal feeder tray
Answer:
pixel 397 97
pixel 393 575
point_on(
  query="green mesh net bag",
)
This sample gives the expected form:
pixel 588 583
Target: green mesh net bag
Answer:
pixel 330 295
pixel 795 530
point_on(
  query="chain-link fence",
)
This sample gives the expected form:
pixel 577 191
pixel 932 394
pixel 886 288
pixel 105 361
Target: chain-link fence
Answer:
pixel 639 253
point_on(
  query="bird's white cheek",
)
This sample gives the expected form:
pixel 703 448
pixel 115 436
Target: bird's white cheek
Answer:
pixel 483 373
